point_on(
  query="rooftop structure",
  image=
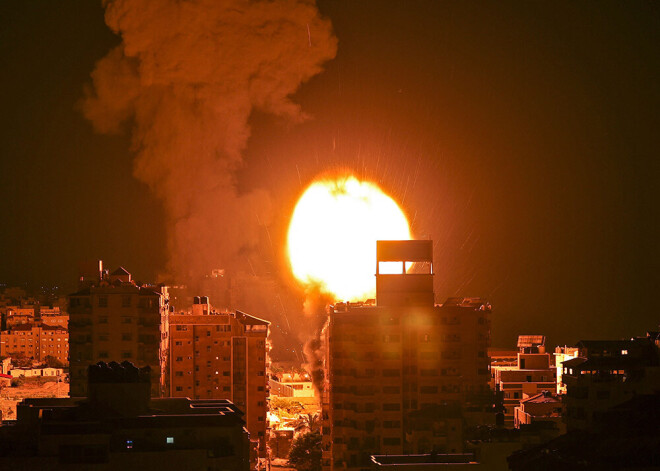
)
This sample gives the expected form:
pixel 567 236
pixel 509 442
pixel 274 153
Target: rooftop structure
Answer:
pixel 120 426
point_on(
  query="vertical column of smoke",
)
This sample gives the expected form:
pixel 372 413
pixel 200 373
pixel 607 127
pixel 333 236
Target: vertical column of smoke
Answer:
pixel 185 78
pixel 316 305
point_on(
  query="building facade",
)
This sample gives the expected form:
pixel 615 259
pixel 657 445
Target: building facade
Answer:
pixel 400 372
pixel 112 318
pixel 533 373
pixel 35 342
pixel 221 355
pixel 120 427
pixel 607 373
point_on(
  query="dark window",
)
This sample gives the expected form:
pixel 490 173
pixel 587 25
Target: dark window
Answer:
pixel 103 301
pixel 391 372
pixel 392 406
pixel 391 441
pixel 126 301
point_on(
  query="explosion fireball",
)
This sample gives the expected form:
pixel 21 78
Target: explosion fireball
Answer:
pixel 333 233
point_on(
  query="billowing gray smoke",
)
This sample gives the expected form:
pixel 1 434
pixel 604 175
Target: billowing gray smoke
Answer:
pixel 185 78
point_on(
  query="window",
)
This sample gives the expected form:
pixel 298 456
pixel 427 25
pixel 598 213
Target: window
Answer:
pixel 169 440
pixel 181 327
pixel 126 336
pixel 103 354
pixel 428 389
pixel 103 301
pixel 126 320
pixel 624 352
pixel 126 354
pixel 103 319
pixel 392 406
pixel 126 300
pixel 391 441
pixel 178 373
pixel 225 373
pixel 391 372
pixel 179 388
pixel 179 358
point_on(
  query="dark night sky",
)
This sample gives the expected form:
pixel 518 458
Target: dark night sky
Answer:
pixel 520 137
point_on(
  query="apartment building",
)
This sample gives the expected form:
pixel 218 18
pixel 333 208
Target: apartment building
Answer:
pixel 533 373
pixel 400 372
pixel 607 373
pixel 112 318
pixel 35 342
pixel 221 355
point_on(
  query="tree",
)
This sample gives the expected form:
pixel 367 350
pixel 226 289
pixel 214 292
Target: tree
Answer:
pixel 310 422
pixel 305 454
pixel 53 362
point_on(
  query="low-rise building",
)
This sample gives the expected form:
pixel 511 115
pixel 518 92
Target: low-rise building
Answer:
pixel 35 372
pixel 542 407
pixel 607 373
pixel 120 427
pixel 532 374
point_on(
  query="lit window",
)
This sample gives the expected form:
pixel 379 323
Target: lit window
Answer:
pixel 624 352
pixel 170 440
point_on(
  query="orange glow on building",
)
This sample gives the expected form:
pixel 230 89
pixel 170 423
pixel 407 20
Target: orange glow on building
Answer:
pixel 333 232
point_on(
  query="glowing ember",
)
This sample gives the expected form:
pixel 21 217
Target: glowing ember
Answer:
pixel 333 233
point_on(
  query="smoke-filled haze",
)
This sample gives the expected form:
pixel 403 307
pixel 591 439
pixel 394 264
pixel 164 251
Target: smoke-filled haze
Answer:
pixel 184 82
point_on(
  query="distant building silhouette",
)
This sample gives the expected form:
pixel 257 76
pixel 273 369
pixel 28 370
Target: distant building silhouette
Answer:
pixel 401 373
pixel 120 427
pixel 112 318
pixel 607 373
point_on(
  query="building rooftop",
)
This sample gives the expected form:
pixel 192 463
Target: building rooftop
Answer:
pixel 526 341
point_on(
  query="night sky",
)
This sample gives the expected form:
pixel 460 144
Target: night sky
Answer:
pixel 521 137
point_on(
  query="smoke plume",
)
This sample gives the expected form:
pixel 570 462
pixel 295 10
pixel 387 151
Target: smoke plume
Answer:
pixel 185 79
pixel 315 309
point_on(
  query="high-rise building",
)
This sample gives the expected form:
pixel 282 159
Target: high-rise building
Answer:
pixel 221 355
pixel 112 318
pixel 401 372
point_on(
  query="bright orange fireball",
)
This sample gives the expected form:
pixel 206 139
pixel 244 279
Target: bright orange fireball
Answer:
pixel 333 233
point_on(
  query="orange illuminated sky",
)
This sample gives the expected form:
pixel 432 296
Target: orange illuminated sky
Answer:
pixel 520 137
